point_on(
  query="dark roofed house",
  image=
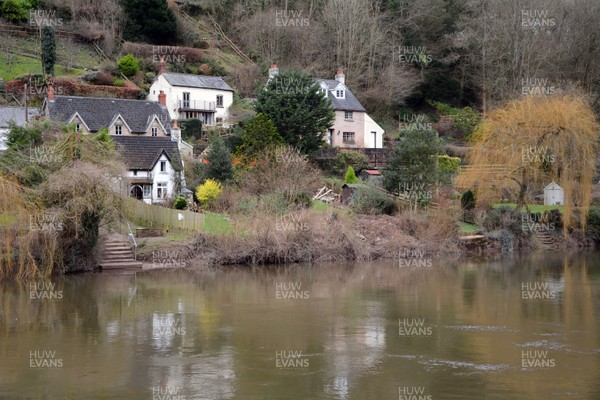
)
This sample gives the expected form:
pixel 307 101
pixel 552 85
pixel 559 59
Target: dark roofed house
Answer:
pixel 155 167
pixel 352 126
pixel 142 130
pixel 188 96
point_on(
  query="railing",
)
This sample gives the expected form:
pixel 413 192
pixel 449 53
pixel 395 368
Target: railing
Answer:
pixel 199 105
pixel 132 237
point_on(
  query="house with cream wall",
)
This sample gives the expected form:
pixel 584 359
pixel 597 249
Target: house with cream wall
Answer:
pixel 352 126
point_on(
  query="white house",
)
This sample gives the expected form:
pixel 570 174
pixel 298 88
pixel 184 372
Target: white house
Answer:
pixel 207 98
pixel 554 195
pixel 352 127
pixel 14 115
pixel 149 144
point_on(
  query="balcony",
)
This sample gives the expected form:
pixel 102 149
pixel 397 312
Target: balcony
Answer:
pixel 197 105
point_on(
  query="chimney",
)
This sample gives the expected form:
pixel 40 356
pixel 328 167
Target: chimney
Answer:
pixel 175 124
pixel 273 71
pixel 340 77
pixel 50 92
pixel 162 65
pixel 162 98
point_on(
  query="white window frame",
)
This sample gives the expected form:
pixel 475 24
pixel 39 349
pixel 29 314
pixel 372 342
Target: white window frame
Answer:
pixel 220 101
pixel 163 167
pixel 154 131
pixel 161 190
pixel 147 191
pixel 349 133
pixel 348 115
pixel 340 94
pixel 118 129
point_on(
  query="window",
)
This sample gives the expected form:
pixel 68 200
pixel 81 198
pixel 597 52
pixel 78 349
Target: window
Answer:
pixel 154 131
pixel 340 94
pixel 161 191
pixel 118 130
pixel 219 121
pixel 348 115
pixel 135 173
pixel 186 100
pixel 147 190
pixel 78 127
pixel 348 137
pixel 219 100
pixel 163 166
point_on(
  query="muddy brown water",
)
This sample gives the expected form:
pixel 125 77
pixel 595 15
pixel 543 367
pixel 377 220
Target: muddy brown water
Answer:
pixel 513 328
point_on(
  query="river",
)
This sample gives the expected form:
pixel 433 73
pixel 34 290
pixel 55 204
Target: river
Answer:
pixel 428 329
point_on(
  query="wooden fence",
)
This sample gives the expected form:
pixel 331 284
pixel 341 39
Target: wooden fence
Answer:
pixel 160 217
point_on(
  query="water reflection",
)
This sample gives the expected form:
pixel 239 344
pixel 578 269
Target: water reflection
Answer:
pixel 487 329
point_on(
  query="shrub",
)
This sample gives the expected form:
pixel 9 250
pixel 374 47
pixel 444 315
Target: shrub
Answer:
pixel 347 158
pixel 129 65
pixel 350 176
pixel 15 10
pixel 180 203
pixel 373 201
pixel 208 192
pixel 119 82
pixel 467 202
pixel 593 223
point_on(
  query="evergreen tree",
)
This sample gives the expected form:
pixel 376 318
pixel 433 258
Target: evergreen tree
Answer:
pixel 150 20
pixel 259 133
pixel 351 175
pixel 48 50
pixel 297 107
pixel 219 161
pixel 414 162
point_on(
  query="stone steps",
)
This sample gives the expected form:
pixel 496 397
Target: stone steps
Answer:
pixel 118 255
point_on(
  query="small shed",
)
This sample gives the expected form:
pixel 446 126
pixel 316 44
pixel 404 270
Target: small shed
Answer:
pixel 372 176
pixel 554 195
pixel 348 191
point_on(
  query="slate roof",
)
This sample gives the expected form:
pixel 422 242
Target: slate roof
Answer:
pixel 99 112
pixel 16 115
pixel 350 103
pixel 196 81
pixel 142 153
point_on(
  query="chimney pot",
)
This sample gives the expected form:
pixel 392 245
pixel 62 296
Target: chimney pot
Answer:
pixel 162 65
pixel 162 98
pixel 273 71
pixel 50 92
pixel 340 77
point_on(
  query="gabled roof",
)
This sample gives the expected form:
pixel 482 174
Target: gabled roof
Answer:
pixel 142 153
pixel 16 115
pixel 99 112
pixel 553 186
pixel 374 172
pixel 196 81
pixel 349 103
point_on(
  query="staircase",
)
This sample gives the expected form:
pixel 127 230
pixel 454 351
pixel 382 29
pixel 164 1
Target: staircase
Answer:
pixel 545 239
pixel 118 255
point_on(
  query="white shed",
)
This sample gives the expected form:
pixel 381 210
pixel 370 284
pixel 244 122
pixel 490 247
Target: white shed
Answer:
pixel 554 195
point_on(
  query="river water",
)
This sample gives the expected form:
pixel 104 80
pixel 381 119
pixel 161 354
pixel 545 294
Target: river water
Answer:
pixel 518 328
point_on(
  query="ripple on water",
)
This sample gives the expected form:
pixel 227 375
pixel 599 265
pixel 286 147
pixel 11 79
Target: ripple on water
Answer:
pixel 481 328
pixel 473 367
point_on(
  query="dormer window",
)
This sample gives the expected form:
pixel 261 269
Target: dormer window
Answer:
pixel 154 131
pixel 348 115
pixel 340 94
pixel 78 128
pixel 118 130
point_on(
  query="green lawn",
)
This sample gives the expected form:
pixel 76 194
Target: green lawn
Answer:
pixel 22 66
pixel 534 208
pixel 467 228
pixel 216 224
pixel 320 206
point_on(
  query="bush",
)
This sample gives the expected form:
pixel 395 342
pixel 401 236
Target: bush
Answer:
pixel 119 82
pixel 180 203
pixel 129 65
pixel 467 202
pixel 350 176
pixel 373 201
pixel 15 10
pixel 208 192
pixel 503 218
pixel 347 158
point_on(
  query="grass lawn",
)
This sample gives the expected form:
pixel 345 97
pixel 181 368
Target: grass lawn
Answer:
pixel 534 208
pixel 216 224
pixel 23 66
pixel 320 206
pixel 467 228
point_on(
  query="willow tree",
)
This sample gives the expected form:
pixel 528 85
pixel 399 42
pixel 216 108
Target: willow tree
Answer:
pixel 532 141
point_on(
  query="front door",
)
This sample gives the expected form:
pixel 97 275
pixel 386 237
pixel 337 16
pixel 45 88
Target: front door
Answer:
pixel 137 192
